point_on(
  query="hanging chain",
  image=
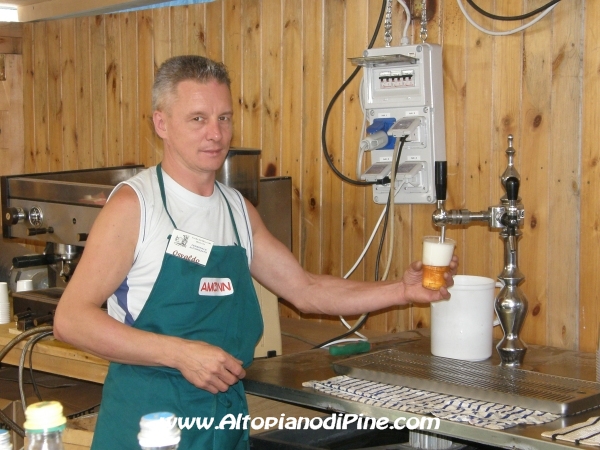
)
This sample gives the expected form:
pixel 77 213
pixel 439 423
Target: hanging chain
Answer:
pixel 423 20
pixel 387 35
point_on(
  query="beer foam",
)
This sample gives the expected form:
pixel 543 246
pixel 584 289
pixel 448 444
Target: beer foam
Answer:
pixel 436 253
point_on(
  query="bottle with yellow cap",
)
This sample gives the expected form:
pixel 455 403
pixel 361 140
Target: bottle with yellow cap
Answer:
pixel 44 426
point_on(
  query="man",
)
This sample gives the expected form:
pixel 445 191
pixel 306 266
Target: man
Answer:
pixel 173 345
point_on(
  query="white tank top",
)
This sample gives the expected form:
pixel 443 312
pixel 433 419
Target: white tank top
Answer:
pixel 207 217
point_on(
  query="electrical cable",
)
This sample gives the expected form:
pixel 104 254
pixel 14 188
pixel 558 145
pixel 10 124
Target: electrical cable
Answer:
pixel 332 102
pixel 363 318
pixel 342 341
pixel 31 374
pixel 405 39
pixel 511 18
pixel 359 259
pixel 30 343
pixel 385 224
pixel 391 201
pixel 24 335
pixel 503 33
pixel 7 348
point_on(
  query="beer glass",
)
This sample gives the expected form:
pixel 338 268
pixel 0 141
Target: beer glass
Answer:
pixel 436 259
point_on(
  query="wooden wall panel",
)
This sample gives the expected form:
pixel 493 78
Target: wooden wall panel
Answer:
pixel 150 149
pixel 535 108
pixel 55 110
pixel 128 24
pixel 68 103
pixel 589 231
pixel 564 178
pixel 98 93
pixel 333 76
pixel 311 109
pixel 83 98
pixel 87 85
pixel 271 129
pixel 291 121
pixel 12 137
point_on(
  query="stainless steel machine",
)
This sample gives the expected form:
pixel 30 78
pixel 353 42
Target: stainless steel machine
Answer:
pixel 511 303
pixel 58 210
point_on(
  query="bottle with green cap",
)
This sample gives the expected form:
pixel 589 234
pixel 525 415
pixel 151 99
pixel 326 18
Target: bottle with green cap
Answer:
pixel 5 440
pixel 44 426
pixel 159 431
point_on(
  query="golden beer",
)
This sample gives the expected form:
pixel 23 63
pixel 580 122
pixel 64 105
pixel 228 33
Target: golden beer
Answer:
pixel 436 259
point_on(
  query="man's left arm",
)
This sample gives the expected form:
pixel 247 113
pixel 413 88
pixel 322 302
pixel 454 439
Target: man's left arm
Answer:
pixel 274 266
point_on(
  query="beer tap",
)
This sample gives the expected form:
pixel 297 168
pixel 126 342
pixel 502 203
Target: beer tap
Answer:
pixel 510 303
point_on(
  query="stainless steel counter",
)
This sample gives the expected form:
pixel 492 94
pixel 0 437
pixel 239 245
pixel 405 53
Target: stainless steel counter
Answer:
pixel 281 379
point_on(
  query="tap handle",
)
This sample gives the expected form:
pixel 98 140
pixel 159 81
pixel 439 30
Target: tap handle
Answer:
pixel 441 175
pixel 512 188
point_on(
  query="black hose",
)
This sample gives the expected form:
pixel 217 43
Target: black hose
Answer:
pixel 511 18
pixel 24 335
pixel 333 100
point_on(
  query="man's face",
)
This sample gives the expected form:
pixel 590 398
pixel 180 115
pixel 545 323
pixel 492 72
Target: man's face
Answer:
pixel 196 125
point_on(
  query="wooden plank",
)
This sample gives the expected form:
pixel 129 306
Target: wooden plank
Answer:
pixel 150 152
pixel 353 197
pixel 83 94
pixel 55 109
pixel 311 111
pixel 4 135
pixel 250 75
pixel 68 94
pixel 291 120
pixel 114 85
pixel 40 161
pixel 60 9
pixel 56 357
pixel 12 29
pixel 161 19
pixel 11 45
pixel 129 87
pixel 98 83
pixel 233 59
pixel 536 108
pixel 14 131
pixel 333 78
pixel 179 31
pixel 589 282
pixel 271 91
pixel 26 160
pixel 196 33
pixel 213 33
pixel 564 179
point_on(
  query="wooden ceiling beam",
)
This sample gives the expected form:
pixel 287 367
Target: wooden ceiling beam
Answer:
pixel 59 9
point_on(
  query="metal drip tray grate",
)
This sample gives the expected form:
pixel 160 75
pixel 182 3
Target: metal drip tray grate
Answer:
pixel 508 386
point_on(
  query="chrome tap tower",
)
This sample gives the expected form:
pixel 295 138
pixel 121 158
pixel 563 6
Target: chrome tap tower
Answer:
pixel 511 303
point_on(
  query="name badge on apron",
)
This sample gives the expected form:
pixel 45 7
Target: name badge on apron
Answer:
pixel 189 247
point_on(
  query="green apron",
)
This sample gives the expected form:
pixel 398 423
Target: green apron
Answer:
pixel 174 307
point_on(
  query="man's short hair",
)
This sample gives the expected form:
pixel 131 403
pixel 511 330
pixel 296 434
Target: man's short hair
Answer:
pixel 181 68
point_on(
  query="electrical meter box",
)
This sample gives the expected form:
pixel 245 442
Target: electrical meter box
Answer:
pixel 400 83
